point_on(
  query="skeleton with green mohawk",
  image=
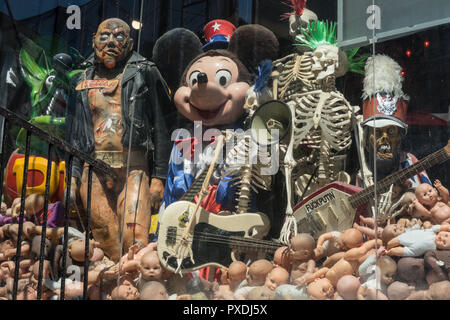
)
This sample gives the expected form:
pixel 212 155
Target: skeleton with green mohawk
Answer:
pixel 320 135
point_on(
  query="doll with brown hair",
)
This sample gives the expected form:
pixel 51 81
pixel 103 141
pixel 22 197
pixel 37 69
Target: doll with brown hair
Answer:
pixel 414 243
pixel 431 204
pixel 256 276
pixel 302 256
pixel 334 244
pixel 349 264
pixel 282 258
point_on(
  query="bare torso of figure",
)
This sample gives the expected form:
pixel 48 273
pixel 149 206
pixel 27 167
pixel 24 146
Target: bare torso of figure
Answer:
pixel 106 112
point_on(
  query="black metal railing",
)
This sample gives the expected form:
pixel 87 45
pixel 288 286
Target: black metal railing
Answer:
pixel 71 152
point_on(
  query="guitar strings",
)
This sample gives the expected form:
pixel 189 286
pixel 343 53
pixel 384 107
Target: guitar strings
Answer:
pixel 214 238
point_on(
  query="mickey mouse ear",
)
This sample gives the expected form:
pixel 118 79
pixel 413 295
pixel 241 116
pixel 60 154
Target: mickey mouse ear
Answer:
pixel 252 44
pixel 172 53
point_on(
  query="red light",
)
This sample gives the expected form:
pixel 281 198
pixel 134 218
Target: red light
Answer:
pixel 426 44
pixel 403 73
pixel 408 53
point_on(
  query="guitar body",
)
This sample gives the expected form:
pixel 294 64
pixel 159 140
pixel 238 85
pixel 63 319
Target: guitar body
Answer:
pixel 211 239
pixel 327 209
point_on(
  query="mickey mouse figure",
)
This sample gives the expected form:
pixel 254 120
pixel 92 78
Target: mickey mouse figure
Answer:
pixel 212 93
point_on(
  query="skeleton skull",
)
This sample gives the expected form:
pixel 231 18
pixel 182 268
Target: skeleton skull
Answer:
pixel 329 60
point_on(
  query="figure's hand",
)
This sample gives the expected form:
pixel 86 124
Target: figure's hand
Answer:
pixel 437 184
pixel 156 194
pixel 381 251
pixel 318 252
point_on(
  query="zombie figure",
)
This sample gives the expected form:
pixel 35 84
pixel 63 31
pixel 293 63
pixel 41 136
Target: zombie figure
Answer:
pixel 120 99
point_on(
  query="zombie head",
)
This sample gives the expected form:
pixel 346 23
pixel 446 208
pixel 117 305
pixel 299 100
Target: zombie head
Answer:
pixel 112 42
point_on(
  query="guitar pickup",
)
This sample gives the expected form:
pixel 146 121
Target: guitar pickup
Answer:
pixel 171 238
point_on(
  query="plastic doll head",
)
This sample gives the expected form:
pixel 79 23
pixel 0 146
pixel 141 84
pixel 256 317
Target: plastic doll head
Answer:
pixel 257 272
pixel 112 42
pixel 427 195
pixel 388 269
pixel 347 287
pixel 399 290
pixel 76 249
pixel 125 291
pixel 411 269
pixel 150 267
pixel 213 89
pixel 391 231
pixel 321 289
pixel 350 238
pixel 237 272
pixel 302 247
pixel 153 290
pixel 282 258
pixel 439 290
pixel 276 277
pixel 261 293
pixel 442 240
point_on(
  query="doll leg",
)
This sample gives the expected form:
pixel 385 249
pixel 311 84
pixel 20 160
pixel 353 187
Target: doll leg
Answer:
pixel 137 214
pixel 104 224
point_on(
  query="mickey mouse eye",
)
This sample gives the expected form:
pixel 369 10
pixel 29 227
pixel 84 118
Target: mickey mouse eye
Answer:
pixel 193 78
pixel 223 78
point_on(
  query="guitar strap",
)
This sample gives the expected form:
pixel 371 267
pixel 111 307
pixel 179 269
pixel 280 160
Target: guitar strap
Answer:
pixel 196 186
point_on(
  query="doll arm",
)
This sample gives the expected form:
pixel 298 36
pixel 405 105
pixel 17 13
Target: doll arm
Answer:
pixel 33 204
pixel 356 253
pixel 331 260
pixel 323 238
pixel 394 242
pixel 367 220
pixel 311 277
pixel 443 191
pixel 421 210
pixel 369 232
pixel 445 227
pixel 397 251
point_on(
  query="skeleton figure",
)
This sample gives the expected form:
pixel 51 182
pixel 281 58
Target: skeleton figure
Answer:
pixel 321 130
pixel 244 166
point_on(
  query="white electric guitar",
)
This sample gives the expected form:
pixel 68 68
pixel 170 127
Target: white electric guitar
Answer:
pixel 335 206
pixel 215 240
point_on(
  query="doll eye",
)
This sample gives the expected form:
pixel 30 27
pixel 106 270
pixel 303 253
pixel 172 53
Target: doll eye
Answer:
pixel 223 78
pixel 193 78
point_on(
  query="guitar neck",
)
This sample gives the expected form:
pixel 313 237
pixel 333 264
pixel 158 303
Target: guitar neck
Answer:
pixel 399 177
pixel 253 244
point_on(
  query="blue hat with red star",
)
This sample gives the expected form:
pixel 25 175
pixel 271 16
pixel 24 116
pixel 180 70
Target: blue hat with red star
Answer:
pixel 217 34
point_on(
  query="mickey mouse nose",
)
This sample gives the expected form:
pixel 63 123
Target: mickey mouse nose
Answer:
pixel 202 78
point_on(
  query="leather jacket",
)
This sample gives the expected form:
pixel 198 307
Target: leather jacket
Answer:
pixel 143 88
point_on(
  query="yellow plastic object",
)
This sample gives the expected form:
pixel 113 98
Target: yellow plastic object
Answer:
pixel 37 176
pixel 154 223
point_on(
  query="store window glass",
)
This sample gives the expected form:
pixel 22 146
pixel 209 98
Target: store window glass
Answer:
pixel 224 150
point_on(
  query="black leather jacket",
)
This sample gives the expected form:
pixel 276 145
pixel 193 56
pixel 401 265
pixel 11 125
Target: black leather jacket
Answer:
pixel 143 87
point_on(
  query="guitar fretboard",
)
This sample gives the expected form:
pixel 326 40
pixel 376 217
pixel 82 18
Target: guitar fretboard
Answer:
pixel 383 185
pixel 196 186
